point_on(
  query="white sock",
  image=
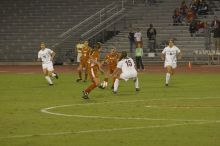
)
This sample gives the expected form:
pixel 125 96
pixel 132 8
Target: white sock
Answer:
pixel 116 84
pixel 136 82
pixel 48 79
pixel 167 78
pixel 53 74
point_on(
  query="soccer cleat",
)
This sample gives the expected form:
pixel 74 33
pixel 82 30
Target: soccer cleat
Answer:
pixel 137 89
pixel 50 84
pixel 78 80
pixel 56 75
pixel 114 92
pixel 84 80
pixel 166 84
pixel 85 95
pixel 101 87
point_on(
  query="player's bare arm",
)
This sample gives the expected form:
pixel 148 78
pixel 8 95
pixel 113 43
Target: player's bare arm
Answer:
pixel 162 56
pixel 52 55
pixel 179 55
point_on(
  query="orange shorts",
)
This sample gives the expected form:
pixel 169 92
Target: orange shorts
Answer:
pixel 84 63
pixel 111 69
pixel 93 72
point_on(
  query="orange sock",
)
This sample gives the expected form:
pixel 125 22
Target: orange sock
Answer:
pixel 91 87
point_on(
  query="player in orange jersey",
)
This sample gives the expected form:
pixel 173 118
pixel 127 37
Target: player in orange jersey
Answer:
pixel 93 69
pixel 111 60
pixel 83 66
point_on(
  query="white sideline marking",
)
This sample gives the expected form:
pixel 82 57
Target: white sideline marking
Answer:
pixel 104 130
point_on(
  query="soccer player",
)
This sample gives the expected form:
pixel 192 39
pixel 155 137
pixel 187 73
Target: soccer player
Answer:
pixel 125 70
pixel 170 55
pixel 83 66
pixel 78 50
pixel 111 60
pixel 93 68
pixel 46 55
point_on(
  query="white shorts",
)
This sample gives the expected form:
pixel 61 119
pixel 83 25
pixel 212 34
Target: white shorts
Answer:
pixel 172 64
pixel 48 66
pixel 128 75
pixel 78 57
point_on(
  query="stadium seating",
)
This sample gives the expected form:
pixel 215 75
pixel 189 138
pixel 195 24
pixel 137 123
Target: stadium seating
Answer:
pixel 24 24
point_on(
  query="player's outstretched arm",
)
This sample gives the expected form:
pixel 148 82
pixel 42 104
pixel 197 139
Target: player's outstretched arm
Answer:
pixel 179 55
pixel 162 56
pixel 52 55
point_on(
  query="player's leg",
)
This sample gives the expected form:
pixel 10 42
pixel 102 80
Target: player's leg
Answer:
pixel 105 82
pixel 116 83
pixel 168 73
pixel 79 69
pixel 136 83
pixel 51 69
pixel 86 74
pixel 47 76
pixel 95 82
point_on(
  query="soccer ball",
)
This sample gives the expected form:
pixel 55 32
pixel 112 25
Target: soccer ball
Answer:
pixel 104 84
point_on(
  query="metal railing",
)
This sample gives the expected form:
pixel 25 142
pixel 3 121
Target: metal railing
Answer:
pixel 97 14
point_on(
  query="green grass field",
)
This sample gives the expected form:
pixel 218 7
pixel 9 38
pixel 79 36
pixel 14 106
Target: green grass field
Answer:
pixel 187 113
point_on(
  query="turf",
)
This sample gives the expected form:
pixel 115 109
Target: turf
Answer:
pixel 185 113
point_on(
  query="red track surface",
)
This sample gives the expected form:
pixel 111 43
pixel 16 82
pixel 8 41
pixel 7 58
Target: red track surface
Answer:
pixel 70 69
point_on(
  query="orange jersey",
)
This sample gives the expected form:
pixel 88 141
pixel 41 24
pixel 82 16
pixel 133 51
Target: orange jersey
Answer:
pixel 94 56
pixel 85 54
pixel 93 67
pixel 112 59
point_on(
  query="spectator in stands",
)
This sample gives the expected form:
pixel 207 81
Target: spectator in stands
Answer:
pixel 138 56
pixel 192 27
pixel 194 6
pixel 138 36
pixel 207 36
pixel 151 35
pixel 183 9
pixel 216 37
pixel 177 19
pixel 131 40
pixel 215 23
pixel 200 27
pixel 150 2
pixel 203 8
pixel 190 16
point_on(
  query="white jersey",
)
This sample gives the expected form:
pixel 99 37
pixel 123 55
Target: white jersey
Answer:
pixel 45 55
pixel 128 69
pixel 170 55
pixel 138 36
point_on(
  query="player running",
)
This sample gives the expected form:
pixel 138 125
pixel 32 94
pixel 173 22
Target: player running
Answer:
pixel 93 69
pixel 83 66
pixel 46 55
pixel 125 70
pixel 111 60
pixel 170 55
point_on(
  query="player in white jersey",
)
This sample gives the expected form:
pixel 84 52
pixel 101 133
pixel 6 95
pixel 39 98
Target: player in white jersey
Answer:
pixel 46 56
pixel 170 54
pixel 125 70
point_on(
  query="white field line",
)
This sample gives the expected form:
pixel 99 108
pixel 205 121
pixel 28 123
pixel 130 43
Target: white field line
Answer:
pixel 104 130
pixel 46 110
pixel 180 107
